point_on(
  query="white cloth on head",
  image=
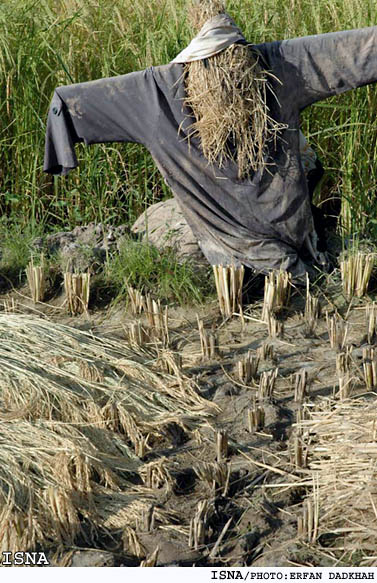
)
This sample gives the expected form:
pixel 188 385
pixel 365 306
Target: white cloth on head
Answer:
pixel 217 34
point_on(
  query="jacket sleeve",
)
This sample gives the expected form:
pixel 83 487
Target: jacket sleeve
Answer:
pixel 116 109
pixel 323 65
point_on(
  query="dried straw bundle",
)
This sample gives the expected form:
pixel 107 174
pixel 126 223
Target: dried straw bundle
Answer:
pixel 356 271
pixel 342 459
pixel 228 95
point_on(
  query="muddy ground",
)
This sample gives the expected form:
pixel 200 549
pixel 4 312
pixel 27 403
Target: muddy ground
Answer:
pixel 251 516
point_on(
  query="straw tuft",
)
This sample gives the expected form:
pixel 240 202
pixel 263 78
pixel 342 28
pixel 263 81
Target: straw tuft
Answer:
pixel 227 94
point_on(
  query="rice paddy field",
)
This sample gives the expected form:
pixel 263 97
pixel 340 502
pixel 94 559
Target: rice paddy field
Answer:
pixel 179 428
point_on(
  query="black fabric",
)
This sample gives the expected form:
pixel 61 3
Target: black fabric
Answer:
pixel 261 221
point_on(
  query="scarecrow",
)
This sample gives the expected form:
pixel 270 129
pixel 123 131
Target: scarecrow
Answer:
pixel 222 124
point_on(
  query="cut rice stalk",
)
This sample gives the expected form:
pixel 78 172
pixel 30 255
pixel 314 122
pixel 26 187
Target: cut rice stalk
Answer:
pixel 221 446
pixel 267 385
pixel 277 289
pixel 356 270
pixel 275 326
pixel 256 417
pixel 208 342
pixel 370 367
pixel 137 300
pixel 312 310
pixel 229 282
pixel 371 319
pixel 36 278
pixel 156 474
pixel 266 352
pixel 77 289
pixel 301 385
pixel 337 329
pixel 198 525
pixel 215 474
pixel 247 368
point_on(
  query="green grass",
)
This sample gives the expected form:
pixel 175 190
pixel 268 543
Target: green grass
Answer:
pixel 46 43
pixel 145 268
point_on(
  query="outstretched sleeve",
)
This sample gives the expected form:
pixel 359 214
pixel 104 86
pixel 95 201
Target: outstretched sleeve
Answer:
pixel 116 109
pixel 323 65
